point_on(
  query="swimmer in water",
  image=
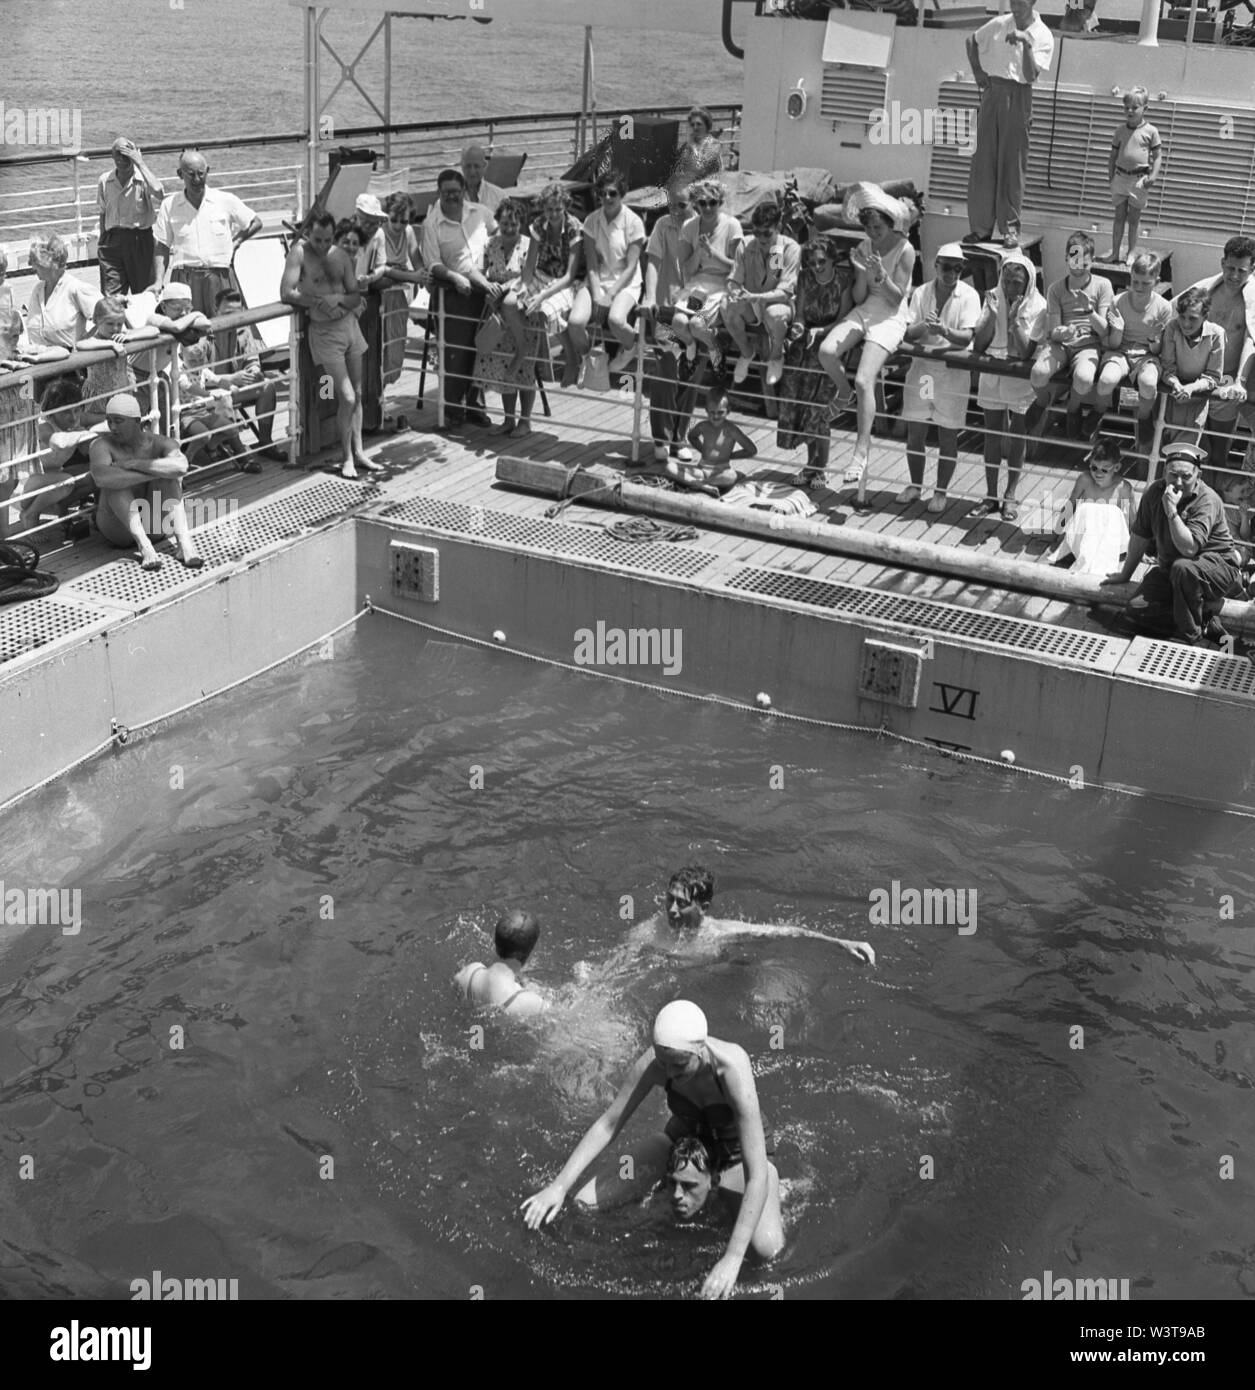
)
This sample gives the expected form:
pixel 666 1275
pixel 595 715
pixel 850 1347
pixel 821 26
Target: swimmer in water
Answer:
pixel 691 891
pixel 693 1177
pixel 501 985
pixel 711 1094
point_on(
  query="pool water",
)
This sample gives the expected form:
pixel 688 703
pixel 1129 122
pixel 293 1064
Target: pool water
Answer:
pixel 293 873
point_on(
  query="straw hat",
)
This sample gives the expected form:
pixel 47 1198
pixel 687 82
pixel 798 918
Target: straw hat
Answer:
pixel 870 195
pixel 369 206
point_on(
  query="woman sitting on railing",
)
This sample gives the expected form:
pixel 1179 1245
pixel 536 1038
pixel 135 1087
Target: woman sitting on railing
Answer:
pixel 553 271
pixel 614 240
pixel 883 262
pixel 403 271
pixel 701 155
pixel 707 252
pixel 823 298
pixel 507 344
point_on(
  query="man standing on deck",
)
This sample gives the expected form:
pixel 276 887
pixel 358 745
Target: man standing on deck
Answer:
pixel 455 237
pixel 320 278
pixel 197 232
pixel 478 189
pixel 1182 520
pixel 129 198
pixel 1008 54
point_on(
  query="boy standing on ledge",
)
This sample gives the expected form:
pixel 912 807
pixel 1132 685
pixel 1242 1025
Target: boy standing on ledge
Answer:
pixel 1132 166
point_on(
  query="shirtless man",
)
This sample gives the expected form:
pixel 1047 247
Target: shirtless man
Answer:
pixel 319 278
pixel 140 480
pixel 719 442
pixel 501 985
pixel 691 891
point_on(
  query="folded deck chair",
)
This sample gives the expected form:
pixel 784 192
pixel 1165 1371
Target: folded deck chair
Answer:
pixel 504 169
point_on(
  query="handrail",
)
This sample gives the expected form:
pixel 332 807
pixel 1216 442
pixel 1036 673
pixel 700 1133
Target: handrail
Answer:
pixel 340 135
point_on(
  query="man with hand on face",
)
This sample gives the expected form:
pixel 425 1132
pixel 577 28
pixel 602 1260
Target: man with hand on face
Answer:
pixel 129 198
pixel 1183 521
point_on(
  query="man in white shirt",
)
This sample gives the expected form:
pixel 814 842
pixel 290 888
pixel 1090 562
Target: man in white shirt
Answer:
pixel 455 237
pixel 128 198
pixel 1008 54
pixel 197 232
pixel 478 189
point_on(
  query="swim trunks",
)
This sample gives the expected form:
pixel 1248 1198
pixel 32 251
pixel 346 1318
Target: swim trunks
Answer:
pixel 331 343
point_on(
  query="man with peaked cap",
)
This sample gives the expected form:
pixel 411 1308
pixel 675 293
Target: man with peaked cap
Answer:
pixel 129 198
pixel 1182 521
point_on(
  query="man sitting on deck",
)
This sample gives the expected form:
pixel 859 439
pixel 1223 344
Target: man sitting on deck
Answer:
pixel 140 477
pixel 501 985
pixel 319 278
pixel 1182 520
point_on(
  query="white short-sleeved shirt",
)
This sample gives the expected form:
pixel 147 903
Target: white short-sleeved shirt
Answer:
pixel 960 313
pixel 458 245
pixel 664 247
pixel 204 236
pixel 64 316
pixel 1002 59
pixel 612 240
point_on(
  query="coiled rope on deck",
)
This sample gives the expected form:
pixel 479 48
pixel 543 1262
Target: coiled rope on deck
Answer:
pixel 20 575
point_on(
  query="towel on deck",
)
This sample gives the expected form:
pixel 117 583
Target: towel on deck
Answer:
pixel 1097 534
pixel 771 497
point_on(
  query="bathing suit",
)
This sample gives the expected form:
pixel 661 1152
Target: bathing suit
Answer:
pixel 715 1125
pixel 522 989
pixel 331 342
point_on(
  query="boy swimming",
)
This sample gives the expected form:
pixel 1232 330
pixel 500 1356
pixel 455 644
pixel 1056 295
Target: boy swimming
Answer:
pixel 501 985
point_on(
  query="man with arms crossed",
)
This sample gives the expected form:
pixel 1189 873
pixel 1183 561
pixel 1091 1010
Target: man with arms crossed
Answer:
pixel 319 277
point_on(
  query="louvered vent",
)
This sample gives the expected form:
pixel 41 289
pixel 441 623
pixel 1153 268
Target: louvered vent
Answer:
pixel 851 94
pixel 1209 154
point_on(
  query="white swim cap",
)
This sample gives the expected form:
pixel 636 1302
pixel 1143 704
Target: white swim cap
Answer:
pixel 680 1026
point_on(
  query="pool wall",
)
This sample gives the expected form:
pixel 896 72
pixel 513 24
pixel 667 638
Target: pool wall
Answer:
pixel 1086 708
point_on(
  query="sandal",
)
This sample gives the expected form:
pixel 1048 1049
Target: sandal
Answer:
pixel 810 477
pixel 1010 509
pixel 854 471
pixel 986 508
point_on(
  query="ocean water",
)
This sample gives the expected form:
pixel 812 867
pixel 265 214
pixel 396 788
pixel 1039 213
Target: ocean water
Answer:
pixel 298 897
pixel 217 68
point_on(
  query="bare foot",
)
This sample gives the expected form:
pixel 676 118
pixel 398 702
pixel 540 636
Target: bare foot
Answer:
pixel 365 464
pixel 347 470
pixel 191 560
pixel 150 562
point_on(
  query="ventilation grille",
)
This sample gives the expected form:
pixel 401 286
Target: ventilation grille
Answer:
pixel 415 571
pixel 1194 668
pixel 1205 146
pixel 851 94
pixel 228 540
pixel 552 537
pixel 1061 643
pixel 33 623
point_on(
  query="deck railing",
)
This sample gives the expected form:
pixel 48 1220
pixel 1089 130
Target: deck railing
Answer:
pixel 57 192
pixel 21 489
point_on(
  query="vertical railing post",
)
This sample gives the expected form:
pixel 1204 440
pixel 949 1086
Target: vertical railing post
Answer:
pixel 79 242
pixel 296 431
pixel 638 394
pixel 1152 464
pixel 440 385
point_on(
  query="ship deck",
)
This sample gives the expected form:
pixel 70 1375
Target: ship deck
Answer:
pixel 593 431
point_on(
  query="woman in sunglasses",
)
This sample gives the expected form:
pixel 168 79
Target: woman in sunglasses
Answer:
pixel 707 253
pixel 614 237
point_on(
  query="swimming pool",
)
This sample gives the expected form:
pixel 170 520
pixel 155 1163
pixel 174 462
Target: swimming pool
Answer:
pixel 293 873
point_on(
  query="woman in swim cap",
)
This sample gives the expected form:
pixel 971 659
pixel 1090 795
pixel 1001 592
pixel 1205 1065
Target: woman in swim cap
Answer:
pixel 711 1094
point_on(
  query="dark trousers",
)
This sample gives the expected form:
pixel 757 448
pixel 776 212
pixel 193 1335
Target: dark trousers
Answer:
pixel 995 184
pixel 125 255
pixel 671 395
pixel 206 284
pixel 1188 586
pixel 462 313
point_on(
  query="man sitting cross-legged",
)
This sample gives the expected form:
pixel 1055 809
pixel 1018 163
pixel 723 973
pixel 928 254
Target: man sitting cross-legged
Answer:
pixel 140 479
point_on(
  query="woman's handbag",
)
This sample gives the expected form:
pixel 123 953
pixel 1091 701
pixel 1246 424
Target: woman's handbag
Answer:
pixel 489 334
pixel 595 371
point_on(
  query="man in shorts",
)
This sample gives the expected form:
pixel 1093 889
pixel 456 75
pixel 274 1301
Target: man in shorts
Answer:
pixel 319 278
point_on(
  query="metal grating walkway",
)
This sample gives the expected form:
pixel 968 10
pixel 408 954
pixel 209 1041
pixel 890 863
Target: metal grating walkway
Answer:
pixel 1039 639
pixel 557 538
pixel 228 540
pixel 1191 668
pixel 35 623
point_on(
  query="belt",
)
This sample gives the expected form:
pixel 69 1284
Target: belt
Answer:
pixel 1128 173
pixel 202 269
pixel 1010 81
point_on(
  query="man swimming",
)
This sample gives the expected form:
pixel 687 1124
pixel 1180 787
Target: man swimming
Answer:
pixel 501 984
pixel 693 1177
pixel 710 1091
pixel 690 892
